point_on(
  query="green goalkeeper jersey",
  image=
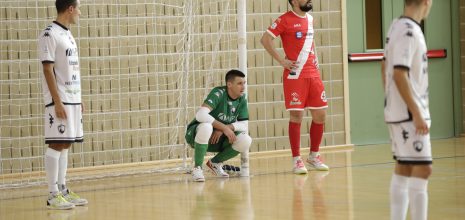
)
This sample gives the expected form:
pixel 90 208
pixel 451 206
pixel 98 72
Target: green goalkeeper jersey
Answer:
pixel 224 108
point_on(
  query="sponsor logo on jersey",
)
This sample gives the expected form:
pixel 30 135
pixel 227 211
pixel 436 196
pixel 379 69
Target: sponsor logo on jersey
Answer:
pixel 323 97
pixel 274 25
pixel 50 120
pixel 409 26
pixel 72 83
pixel 405 135
pixel 71 52
pixel 226 118
pixel 73 62
pixel 295 99
pixel 297 25
pixel 73 91
pixel 298 34
pixel 418 145
pixel 46 34
pixel 61 128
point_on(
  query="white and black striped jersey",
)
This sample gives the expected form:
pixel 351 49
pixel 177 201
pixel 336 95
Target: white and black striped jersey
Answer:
pixel 405 48
pixel 57 46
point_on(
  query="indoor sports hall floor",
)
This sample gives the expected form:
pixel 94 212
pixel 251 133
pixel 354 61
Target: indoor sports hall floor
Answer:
pixel 356 187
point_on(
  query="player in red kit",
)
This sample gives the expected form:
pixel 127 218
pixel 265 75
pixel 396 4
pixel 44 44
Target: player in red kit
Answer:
pixel 303 88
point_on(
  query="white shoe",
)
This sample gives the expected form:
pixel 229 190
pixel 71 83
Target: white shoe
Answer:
pixel 72 197
pixel 217 169
pixel 299 167
pixel 57 201
pixel 317 163
pixel 197 174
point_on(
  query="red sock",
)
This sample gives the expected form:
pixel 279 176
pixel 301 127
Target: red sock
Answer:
pixel 294 138
pixel 316 134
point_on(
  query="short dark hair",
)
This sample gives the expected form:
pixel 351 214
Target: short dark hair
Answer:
pixel 232 74
pixel 62 5
pixel 413 2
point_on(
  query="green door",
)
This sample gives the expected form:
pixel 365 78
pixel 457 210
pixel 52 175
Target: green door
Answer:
pixel 366 92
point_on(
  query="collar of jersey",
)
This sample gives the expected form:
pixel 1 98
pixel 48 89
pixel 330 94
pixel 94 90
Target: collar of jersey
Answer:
pixel 299 15
pixel 62 26
pixel 406 17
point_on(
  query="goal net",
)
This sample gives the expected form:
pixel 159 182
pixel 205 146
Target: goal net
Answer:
pixel 146 66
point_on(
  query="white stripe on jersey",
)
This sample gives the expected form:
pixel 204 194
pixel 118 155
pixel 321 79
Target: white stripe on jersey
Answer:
pixel 305 52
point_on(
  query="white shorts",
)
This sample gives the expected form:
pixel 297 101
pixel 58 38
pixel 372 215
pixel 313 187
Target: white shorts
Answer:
pixel 67 130
pixel 407 146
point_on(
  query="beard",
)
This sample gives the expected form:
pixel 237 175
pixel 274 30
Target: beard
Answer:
pixel 307 7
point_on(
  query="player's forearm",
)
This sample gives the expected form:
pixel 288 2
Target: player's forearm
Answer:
pixel 267 42
pixel 220 126
pixel 51 83
pixel 405 91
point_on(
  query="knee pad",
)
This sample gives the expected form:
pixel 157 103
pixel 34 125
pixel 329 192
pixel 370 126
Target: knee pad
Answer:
pixel 203 133
pixel 242 143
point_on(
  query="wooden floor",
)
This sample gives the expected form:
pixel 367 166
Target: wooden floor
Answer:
pixel 356 187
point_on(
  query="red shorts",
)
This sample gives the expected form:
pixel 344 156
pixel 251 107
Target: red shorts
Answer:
pixel 304 93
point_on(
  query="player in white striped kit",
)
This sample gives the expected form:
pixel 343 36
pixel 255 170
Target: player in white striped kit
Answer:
pixel 303 87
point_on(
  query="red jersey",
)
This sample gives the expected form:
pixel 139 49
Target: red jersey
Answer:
pixel 297 35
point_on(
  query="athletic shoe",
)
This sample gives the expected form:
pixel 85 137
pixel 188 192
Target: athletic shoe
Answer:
pixel 217 168
pixel 299 167
pixel 197 174
pixel 57 201
pixel 72 197
pixel 317 163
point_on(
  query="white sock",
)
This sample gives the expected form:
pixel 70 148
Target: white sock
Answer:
pixel 313 154
pixel 418 195
pixel 62 168
pixel 399 197
pixel 51 169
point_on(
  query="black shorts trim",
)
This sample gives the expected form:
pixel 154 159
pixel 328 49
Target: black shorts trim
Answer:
pixel 413 162
pixel 47 61
pixel 402 67
pixel 66 141
pixel 64 103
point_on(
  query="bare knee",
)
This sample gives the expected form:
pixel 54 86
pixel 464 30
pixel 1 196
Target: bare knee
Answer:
pixel 318 115
pixel 422 171
pixel 59 146
pixel 409 170
pixel 296 116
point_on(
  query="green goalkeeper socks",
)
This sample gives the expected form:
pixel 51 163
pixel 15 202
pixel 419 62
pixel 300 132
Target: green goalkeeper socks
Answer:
pixel 225 155
pixel 200 151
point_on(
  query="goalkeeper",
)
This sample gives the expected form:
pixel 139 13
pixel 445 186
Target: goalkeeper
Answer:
pixel 221 125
